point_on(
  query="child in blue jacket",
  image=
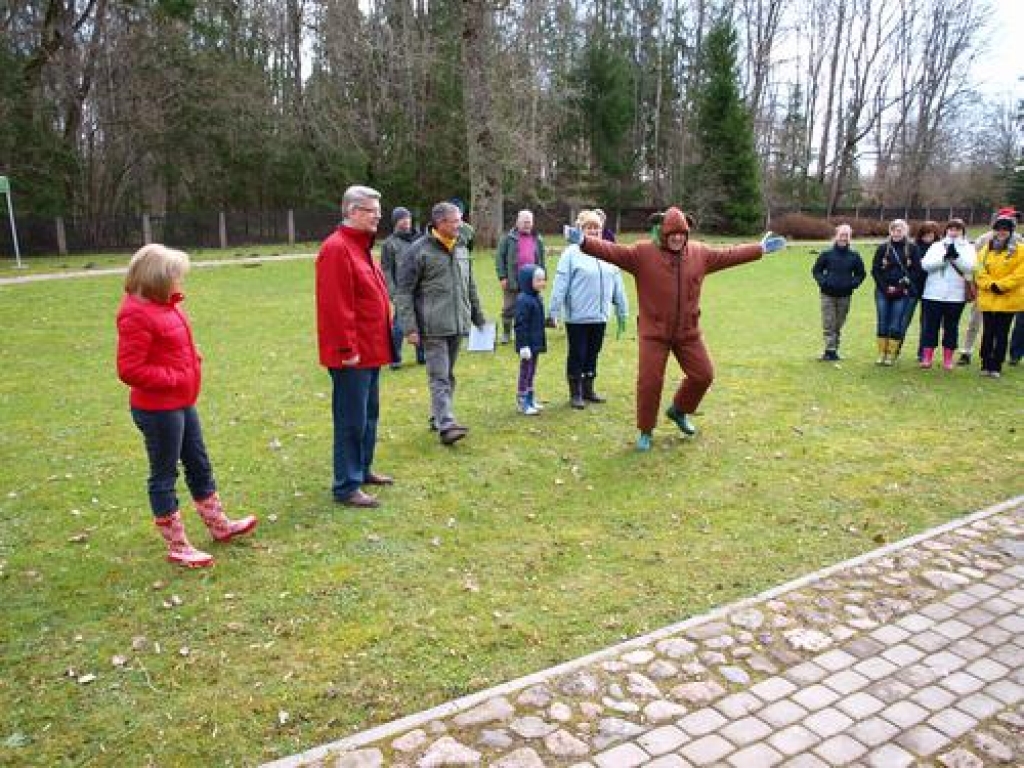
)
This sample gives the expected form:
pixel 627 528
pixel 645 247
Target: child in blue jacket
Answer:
pixel 529 331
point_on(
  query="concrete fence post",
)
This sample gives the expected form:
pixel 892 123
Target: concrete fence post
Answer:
pixel 222 226
pixel 147 230
pixel 62 238
pixel 291 227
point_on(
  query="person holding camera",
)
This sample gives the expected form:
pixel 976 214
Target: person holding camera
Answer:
pixel 949 264
pixel 891 271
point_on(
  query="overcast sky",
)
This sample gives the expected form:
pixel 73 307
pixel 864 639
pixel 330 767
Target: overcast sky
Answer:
pixel 1001 62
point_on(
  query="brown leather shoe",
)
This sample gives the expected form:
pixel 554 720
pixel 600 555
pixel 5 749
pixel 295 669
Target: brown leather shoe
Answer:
pixel 372 478
pixel 360 499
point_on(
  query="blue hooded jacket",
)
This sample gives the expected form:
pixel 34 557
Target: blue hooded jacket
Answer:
pixel 529 326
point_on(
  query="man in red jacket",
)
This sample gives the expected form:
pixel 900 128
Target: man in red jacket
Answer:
pixel 669 271
pixel 354 332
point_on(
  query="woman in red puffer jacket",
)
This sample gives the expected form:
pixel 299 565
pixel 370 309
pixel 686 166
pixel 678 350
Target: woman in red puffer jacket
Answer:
pixel 157 358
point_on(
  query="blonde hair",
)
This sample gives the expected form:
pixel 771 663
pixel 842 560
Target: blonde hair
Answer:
pixel 153 270
pixel 586 217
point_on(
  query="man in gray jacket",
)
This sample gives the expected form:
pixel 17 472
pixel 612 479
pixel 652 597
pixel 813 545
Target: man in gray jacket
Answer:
pixel 437 303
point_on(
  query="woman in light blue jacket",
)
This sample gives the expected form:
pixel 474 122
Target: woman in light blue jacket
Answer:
pixel 584 290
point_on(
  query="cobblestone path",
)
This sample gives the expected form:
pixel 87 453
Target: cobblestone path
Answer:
pixel 912 655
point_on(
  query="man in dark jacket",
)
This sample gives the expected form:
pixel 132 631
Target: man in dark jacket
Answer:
pixel 391 253
pixel 839 271
pixel 437 303
pixel 519 247
pixel 354 333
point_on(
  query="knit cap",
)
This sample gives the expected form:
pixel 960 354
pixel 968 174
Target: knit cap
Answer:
pixel 1005 218
pixel 398 214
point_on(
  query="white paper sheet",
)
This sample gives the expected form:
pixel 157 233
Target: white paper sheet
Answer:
pixel 481 339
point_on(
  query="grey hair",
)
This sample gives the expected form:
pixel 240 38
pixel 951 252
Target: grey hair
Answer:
pixel 442 211
pixel 524 213
pixel 899 223
pixel 354 195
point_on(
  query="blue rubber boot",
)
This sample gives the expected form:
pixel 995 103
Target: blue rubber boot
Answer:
pixel 643 443
pixel 682 421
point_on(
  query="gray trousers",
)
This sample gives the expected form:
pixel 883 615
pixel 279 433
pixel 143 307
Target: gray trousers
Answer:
pixel 508 309
pixel 973 329
pixel 441 352
pixel 834 310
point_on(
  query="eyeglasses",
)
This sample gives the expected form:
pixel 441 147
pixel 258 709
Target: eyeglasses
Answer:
pixel 367 209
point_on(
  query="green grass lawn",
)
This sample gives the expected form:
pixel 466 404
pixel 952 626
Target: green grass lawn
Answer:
pixel 534 541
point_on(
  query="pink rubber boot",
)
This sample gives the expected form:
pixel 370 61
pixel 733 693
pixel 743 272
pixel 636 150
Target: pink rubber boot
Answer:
pixel 221 528
pixel 178 548
pixel 947 359
pixel 927 355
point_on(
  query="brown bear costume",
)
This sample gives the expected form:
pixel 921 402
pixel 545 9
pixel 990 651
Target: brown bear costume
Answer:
pixel 668 284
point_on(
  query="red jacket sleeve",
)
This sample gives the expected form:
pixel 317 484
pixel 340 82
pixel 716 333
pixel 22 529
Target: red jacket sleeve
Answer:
pixel 624 256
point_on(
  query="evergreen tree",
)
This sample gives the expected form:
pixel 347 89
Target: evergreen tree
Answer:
pixel 725 192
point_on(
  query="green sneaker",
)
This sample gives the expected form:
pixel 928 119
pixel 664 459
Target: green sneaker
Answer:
pixel 682 421
pixel 643 443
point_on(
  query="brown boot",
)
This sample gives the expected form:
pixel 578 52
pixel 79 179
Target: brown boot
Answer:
pixel 179 550
pixel 221 528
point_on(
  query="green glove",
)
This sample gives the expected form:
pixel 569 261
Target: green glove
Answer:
pixel 621 329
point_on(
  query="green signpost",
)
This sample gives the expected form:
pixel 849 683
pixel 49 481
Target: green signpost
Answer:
pixel 5 188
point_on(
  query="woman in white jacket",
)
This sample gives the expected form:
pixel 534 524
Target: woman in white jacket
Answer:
pixel 949 264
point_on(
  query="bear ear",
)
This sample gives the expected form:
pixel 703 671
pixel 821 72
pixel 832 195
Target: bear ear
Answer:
pixel 655 219
pixel 691 220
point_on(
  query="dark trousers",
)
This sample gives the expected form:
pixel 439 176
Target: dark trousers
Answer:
pixel 1017 339
pixel 585 342
pixel 173 436
pixel 995 335
pixel 699 372
pixel 527 373
pixel 944 315
pixel 355 407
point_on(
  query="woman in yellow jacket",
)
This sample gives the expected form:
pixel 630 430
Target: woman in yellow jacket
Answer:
pixel 1000 279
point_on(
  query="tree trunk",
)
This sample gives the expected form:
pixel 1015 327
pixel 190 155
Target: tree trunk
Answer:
pixel 485 167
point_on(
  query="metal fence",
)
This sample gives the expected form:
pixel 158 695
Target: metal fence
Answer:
pixel 48 236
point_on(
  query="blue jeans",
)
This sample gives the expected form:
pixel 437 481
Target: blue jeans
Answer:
pixel 889 314
pixel 173 436
pixel 397 336
pixel 355 408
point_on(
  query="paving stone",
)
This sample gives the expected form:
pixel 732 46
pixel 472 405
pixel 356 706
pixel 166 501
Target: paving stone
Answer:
pixel 864 647
pixel 701 722
pixel 1009 655
pixel 875 669
pixel 676 648
pixel 745 731
pixel 755 756
pixel 982 591
pixel 922 740
pixel 708 750
pixel 411 741
pixel 929 641
pixel 919 675
pixel 734 675
pixel 961 601
pixel 806 761
pixel 815 697
pixel 772 689
pixel 889 690
pixel 827 722
pixel 904 714
pixel 860 705
pixel 806 673
pixel 668 761
pixel 662 740
pixel 532 727
pixel 447 751
pixel 979 705
pixel 953 629
pixel 952 722
pixel 962 683
pixel 697 693
pixel 364 758
pixel 933 697
pixel 782 713
pixel 561 743
pixel 889 756
pixel 944 662
pixel 846 682
pixel 938 611
pixel 960 758
pixel 997 606
pixel 794 739
pixel 520 758
pixel 1012 624
pixel 915 623
pixel 835 660
pixel 1006 691
pixel 738 705
pixel 840 750
pixel 496 709
pixel 622 756
pixel 660 711
pixel 873 731
pixel 903 654
pixel 494 738
pixel 987 670
pixel 890 634
pixel 969 649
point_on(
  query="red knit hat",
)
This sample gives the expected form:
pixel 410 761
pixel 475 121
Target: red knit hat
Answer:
pixel 1005 218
